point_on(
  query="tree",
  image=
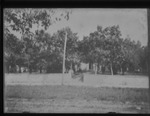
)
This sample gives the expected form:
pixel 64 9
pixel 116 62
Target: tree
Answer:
pixel 50 49
pixel 22 20
pixel 13 48
pixel 71 46
pixel 132 54
pixel 105 47
pixel 112 44
pixel 144 59
pixel 102 46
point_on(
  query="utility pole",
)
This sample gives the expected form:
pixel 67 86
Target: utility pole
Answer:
pixel 64 58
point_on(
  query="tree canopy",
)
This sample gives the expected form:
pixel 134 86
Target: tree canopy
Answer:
pixel 43 52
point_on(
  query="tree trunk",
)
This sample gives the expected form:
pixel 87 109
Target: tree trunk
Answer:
pixel 98 67
pixel 90 65
pixel 30 69
pixel 121 72
pixel 111 69
pixel 9 68
pixel 13 68
pixel 40 69
pixel 95 69
pixel 19 69
pixel 71 66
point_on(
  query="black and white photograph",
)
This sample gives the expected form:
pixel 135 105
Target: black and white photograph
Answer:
pixel 75 60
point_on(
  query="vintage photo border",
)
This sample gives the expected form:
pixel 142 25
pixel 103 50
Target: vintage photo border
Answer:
pixel 72 4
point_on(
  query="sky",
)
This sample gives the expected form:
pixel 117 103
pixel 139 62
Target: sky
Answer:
pixel 132 22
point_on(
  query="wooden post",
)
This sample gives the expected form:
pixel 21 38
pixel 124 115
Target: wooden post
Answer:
pixel 64 58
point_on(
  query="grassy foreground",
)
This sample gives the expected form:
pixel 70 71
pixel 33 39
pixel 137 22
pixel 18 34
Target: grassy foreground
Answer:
pixel 57 98
pixel 133 95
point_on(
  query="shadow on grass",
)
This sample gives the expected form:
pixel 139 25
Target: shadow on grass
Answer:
pixel 134 95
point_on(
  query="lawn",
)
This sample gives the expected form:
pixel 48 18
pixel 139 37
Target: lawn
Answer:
pixel 55 98
pixel 126 81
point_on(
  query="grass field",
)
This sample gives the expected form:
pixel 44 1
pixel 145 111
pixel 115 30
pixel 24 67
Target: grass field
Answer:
pixel 126 81
pixel 22 96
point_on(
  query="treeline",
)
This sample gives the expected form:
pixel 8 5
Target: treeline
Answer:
pixel 42 52
pixel 104 48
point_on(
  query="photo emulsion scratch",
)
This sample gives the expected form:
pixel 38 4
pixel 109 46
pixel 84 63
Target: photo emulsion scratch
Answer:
pixel 75 60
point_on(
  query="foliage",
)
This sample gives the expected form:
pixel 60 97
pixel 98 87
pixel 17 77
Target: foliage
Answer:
pixel 40 51
pixel 29 50
pixel 105 47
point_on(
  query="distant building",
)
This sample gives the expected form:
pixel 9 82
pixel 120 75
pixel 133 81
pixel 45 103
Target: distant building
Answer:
pixel 84 66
